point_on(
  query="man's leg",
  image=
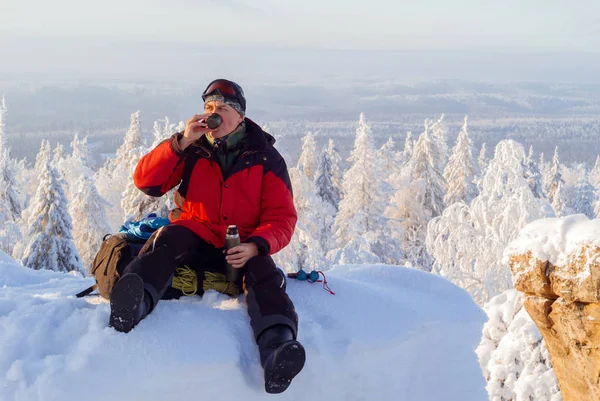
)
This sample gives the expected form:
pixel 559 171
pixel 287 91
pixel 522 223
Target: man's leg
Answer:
pixel 268 303
pixel 147 277
pixel 274 322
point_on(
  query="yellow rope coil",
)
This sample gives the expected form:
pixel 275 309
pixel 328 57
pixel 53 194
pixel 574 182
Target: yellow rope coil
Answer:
pixel 218 282
pixel 185 280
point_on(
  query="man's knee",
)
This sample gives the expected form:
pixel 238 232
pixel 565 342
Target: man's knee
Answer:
pixel 260 269
pixel 169 235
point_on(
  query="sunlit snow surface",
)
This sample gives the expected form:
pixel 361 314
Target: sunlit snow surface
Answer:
pixel 389 333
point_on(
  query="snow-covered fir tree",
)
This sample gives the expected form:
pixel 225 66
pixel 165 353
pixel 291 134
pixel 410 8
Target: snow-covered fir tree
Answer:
pixel 542 161
pixel 558 203
pixel 555 176
pixel 482 160
pixel 391 164
pixel 513 354
pixel 59 154
pixel 419 198
pixel 533 175
pixel 585 196
pixel 114 177
pixel 408 146
pixel 10 204
pixel 597 205
pixel 10 236
pixel 315 217
pixel 427 166
pixel 75 165
pixel 461 170
pixel 303 252
pixel 133 139
pixel 136 204
pixel 439 132
pixel 316 214
pixel 595 173
pixel 10 207
pixel 359 225
pixel 50 239
pixel 329 177
pixel 3 113
pixel 406 218
pixel 161 131
pixel 80 150
pixel 79 160
pixel 43 155
pixel 544 168
pixel 10 191
pixel 467 241
pixel 180 127
pixel 308 157
pixel 89 217
pixel 30 179
pixel 388 155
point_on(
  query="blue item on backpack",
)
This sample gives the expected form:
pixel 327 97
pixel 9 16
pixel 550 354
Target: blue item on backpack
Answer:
pixel 144 228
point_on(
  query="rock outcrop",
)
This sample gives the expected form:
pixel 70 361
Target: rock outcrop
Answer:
pixel 556 264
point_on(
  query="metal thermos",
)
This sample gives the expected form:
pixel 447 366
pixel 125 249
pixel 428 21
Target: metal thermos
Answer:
pixel 232 238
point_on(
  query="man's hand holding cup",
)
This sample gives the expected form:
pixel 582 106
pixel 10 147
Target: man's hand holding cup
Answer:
pixel 194 129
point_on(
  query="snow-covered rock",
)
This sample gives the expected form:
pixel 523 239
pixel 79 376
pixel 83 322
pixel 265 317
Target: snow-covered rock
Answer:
pixel 556 264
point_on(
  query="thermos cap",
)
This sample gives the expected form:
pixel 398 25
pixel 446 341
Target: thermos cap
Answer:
pixel 232 230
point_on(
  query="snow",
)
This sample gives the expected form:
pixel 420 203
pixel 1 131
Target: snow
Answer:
pixel 4 258
pixel 513 354
pixel 553 239
pixel 389 333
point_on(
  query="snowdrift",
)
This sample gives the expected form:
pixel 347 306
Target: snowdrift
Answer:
pixel 390 333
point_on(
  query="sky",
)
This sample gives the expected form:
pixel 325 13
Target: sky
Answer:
pixel 430 24
pixel 253 40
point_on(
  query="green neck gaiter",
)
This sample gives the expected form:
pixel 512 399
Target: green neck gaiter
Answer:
pixel 228 148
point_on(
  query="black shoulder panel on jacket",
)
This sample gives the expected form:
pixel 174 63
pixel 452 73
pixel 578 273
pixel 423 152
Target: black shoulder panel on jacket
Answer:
pixel 190 162
pixel 276 165
pixel 152 191
pixel 260 151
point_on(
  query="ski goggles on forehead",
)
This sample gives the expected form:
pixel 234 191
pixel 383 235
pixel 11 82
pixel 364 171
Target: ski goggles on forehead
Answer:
pixel 224 88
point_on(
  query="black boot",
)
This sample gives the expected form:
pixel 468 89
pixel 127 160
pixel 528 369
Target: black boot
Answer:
pixel 281 356
pixel 129 303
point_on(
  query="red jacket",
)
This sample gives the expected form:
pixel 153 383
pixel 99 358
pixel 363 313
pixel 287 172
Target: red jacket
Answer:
pixel 256 195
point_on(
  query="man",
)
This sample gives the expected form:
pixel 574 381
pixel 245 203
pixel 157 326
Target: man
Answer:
pixel 228 175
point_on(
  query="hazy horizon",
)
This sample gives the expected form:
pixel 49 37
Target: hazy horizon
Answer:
pixel 308 41
pixel 71 60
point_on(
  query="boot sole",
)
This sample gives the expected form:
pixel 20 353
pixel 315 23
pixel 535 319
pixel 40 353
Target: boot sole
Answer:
pixel 125 300
pixel 286 363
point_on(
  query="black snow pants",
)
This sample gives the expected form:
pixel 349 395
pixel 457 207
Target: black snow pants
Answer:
pixel 172 246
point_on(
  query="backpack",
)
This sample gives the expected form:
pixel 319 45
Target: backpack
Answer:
pixel 115 253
